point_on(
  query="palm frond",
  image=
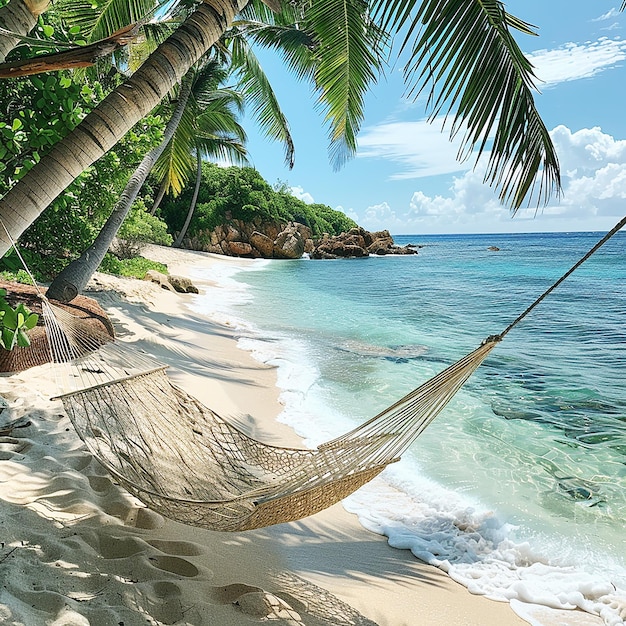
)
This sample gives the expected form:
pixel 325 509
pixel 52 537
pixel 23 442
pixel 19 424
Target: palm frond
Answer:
pixel 463 54
pixel 218 118
pixel 351 51
pixel 257 90
pixel 99 20
pixel 176 164
pixel 296 46
pixel 223 148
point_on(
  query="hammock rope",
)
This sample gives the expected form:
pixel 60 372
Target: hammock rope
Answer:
pixel 182 459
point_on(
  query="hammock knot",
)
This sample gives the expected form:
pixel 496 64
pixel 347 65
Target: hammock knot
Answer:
pixel 491 339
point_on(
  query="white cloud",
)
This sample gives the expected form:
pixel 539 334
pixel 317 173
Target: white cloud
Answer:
pixel 419 148
pixel 574 61
pixel 594 190
pixel 614 12
pixel 299 193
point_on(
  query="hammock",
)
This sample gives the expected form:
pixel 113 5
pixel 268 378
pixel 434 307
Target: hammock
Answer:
pixel 183 460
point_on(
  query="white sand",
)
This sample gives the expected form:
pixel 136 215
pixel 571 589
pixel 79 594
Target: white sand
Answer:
pixel 76 549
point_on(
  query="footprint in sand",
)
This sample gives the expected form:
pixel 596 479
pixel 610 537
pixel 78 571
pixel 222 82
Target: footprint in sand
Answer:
pixel 255 602
pixel 174 565
pixel 178 548
pixel 119 547
pixel 12 448
pixel 100 484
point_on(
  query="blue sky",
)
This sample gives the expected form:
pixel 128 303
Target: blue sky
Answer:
pixel 405 177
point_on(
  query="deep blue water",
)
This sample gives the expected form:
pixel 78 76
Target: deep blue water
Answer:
pixel 523 476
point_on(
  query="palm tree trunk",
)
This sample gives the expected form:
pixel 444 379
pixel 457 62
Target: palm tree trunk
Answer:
pixel 74 277
pixel 114 116
pixel 159 197
pixel 18 16
pixel 192 205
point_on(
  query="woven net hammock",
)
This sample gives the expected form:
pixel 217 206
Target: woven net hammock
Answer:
pixel 183 460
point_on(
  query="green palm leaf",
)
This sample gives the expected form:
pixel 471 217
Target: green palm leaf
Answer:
pixel 98 20
pixel 176 163
pixel 258 91
pixel 208 121
pixel 463 54
pixel 351 51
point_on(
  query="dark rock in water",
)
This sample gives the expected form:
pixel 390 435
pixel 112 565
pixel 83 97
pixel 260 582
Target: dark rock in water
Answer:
pixel 579 489
pixel 493 248
pixel 393 353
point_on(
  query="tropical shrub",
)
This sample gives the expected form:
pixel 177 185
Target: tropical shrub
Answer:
pixel 14 323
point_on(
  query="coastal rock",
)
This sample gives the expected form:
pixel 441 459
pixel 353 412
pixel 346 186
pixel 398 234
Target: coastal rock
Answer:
pixel 159 278
pixel 289 244
pixel 358 242
pixel 238 248
pixel 182 284
pixel 179 284
pixel 262 243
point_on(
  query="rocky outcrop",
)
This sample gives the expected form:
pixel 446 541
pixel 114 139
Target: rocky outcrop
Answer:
pixel 271 240
pixel 358 242
pixel 179 284
pixel 256 239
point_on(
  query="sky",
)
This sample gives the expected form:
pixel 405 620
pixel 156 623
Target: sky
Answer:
pixel 405 176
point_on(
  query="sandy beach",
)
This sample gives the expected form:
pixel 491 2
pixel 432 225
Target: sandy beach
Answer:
pixel 76 549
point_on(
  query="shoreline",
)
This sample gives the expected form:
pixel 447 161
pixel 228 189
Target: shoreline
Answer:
pixel 137 567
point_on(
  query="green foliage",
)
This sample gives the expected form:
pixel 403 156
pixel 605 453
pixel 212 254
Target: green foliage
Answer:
pixel 39 111
pixel 235 193
pixel 137 267
pixel 16 276
pixel 138 229
pixel 14 323
pixel 70 224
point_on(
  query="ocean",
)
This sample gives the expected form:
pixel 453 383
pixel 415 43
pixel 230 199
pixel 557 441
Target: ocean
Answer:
pixel 518 489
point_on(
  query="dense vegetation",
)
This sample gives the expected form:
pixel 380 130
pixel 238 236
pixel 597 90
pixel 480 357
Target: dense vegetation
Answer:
pixel 243 194
pixel 41 110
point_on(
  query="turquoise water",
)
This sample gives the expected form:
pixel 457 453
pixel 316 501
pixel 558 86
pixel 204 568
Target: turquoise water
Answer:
pixel 518 489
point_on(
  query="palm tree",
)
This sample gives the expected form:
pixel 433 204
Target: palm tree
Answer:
pixel 18 17
pixel 463 48
pixel 201 107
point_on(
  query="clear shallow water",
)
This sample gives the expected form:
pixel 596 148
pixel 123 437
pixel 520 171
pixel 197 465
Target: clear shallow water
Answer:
pixel 518 489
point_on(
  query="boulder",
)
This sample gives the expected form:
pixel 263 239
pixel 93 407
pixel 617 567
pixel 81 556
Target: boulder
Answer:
pixel 159 278
pixel 182 284
pixel 263 244
pixel 238 248
pixel 358 242
pixel 289 244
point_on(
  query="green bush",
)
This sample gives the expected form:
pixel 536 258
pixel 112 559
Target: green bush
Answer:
pixel 136 267
pixel 14 323
pixel 138 229
pixel 243 194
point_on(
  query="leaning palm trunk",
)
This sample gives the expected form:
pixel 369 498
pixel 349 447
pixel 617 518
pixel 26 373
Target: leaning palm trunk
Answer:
pixel 114 116
pixel 19 17
pixel 75 276
pixel 159 197
pixel 192 205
